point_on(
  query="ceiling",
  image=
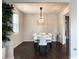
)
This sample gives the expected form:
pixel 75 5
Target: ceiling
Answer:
pixel 35 7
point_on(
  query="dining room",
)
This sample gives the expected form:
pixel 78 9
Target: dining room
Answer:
pixel 42 30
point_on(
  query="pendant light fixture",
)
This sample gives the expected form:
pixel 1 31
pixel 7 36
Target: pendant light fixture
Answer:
pixel 41 20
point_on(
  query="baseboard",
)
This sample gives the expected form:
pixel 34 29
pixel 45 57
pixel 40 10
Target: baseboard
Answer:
pixel 28 40
pixel 17 44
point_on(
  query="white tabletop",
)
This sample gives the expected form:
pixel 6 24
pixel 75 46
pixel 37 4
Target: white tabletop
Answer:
pixel 43 39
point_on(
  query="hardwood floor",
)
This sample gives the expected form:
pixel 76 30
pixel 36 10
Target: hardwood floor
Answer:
pixel 26 51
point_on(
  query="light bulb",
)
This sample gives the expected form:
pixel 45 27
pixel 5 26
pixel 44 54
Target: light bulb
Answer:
pixel 41 20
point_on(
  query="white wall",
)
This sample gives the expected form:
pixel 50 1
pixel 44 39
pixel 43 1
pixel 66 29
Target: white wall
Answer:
pixel 17 37
pixel 61 22
pixel 31 25
pixel 73 17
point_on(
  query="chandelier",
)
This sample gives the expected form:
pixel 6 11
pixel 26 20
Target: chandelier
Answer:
pixel 41 20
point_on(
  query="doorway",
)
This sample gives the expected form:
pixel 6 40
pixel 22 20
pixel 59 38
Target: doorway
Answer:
pixel 67 33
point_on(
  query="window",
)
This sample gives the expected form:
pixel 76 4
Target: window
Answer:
pixel 15 22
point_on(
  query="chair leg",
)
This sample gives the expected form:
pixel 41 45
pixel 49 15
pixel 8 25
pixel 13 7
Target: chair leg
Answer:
pixel 43 50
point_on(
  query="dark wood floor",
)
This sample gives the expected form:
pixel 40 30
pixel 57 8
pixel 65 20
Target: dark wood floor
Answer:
pixel 26 51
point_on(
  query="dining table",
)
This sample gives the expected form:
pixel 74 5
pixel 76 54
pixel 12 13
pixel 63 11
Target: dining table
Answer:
pixel 42 43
